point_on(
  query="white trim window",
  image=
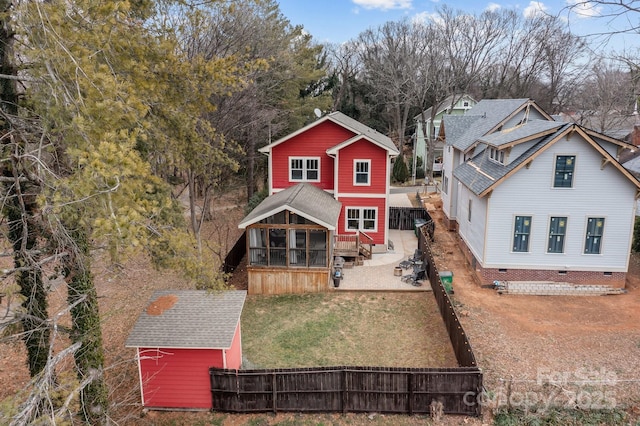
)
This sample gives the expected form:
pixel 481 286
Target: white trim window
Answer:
pixel 361 172
pixel 497 155
pixel 564 171
pixel 593 237
pixel 361 219
pixel 521 233
pixel 304 169
pixel 557 233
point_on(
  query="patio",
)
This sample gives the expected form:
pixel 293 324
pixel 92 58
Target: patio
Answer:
pixel 377 273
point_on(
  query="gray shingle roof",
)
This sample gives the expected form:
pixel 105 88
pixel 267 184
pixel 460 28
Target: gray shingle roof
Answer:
pixel 490 112
pixel 304 199
pixel 349 123
pixel 197 319
pixel 361 129
pixel 480 173
pixel 529 129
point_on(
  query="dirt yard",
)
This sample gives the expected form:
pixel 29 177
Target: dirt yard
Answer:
pixel 579 351
pixel 573 351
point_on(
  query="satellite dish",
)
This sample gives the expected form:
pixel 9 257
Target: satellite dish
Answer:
pixel 317 112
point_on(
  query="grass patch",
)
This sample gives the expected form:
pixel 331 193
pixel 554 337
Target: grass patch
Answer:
pixel 560 418
pixel 333 329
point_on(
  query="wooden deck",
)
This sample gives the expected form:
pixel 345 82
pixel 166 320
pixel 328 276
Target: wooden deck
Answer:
pixel 352 245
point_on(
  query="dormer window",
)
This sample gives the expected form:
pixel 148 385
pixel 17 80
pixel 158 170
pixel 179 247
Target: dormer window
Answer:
pixel 496 155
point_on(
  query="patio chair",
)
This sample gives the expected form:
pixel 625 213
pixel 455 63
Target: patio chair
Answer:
pixel 417 255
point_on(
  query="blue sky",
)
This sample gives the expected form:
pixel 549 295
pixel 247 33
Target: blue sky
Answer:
pixel 337 21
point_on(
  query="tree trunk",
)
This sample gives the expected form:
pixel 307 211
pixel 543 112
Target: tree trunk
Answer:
pixel 86 329
pixel 20 211
pixel 251 165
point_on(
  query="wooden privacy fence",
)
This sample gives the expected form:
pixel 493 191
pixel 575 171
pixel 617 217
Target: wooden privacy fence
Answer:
pixel 403 218
pixel 459 340
pixel 235 255
pixel 347 389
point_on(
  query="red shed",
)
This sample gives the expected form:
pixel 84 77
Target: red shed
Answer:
pixel 179 336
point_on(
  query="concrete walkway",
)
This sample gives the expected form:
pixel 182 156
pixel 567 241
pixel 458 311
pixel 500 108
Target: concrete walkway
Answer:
pixel 377 273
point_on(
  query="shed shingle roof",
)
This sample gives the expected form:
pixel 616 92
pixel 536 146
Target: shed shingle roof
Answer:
pixel 304 199
pixel 199 319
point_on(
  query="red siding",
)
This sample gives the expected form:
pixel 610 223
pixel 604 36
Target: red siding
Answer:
pixel 380 203
pixel 311 143
pixel 362 150
pixel 177 378
pixel 234 354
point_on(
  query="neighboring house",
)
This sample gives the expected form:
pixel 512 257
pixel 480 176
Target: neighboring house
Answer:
pixel 179 336
pixel 532 198
pixel 453 105
pixel 335 175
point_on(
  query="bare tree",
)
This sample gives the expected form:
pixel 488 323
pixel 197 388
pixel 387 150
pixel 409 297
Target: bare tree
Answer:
pixel 387 55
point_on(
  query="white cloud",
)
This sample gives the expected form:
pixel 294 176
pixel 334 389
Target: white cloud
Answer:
pixel 425 17
pixel 384 4
pixel 493 7
pixel 584 9
pixel 535 8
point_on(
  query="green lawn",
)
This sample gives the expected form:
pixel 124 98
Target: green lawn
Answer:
pixel 335 329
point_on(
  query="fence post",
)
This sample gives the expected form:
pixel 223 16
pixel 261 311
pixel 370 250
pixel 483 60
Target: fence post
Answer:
pixel 275 393
pixel 344 391
pixel 410 392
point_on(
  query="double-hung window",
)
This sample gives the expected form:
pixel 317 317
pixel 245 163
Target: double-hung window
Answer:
pixel 304 169
pixel 557 232
pixel 593 238
pixel 521 233
pixel 563 174
pixel 362 218
pixel 361 172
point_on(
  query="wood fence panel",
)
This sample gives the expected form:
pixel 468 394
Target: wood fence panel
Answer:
pixel 459 340
pixel 347 389
pixel 235 255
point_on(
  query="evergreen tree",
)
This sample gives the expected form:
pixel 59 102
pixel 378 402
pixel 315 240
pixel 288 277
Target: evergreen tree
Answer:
pixel 400 172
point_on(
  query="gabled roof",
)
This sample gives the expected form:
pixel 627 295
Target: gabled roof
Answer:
pixel 196 319
pixel 633 165
pixel 491 114
pixel 481 175
pixel 530 130
pixel 446 104
pixel 348 123
pixel 304 199
pixel 334 149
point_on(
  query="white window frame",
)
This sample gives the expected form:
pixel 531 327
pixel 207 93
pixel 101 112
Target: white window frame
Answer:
pixel 559 236
pixel 305 169
pixel 355 172
pixel 573 171
pixel 587 236
pixel 360 218
pixel 518 234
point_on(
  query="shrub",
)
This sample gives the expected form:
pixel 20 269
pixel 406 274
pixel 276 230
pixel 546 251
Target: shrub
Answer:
pixel 400 172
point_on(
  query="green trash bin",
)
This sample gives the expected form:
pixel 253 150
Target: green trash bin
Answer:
pixel 446 277
pixel 417 224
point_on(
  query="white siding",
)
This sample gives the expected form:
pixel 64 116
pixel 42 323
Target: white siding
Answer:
pixel 448 161
pixel 595 193
pixel 472 232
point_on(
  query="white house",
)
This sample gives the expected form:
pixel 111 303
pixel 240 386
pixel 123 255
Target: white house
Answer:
pixel 452 105
pixel 538 200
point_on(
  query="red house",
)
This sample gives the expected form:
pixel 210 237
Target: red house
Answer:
pixel 348 160
pixel 329 196
pixel 179 336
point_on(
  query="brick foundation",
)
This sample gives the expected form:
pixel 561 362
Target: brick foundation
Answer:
pixel 487 276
